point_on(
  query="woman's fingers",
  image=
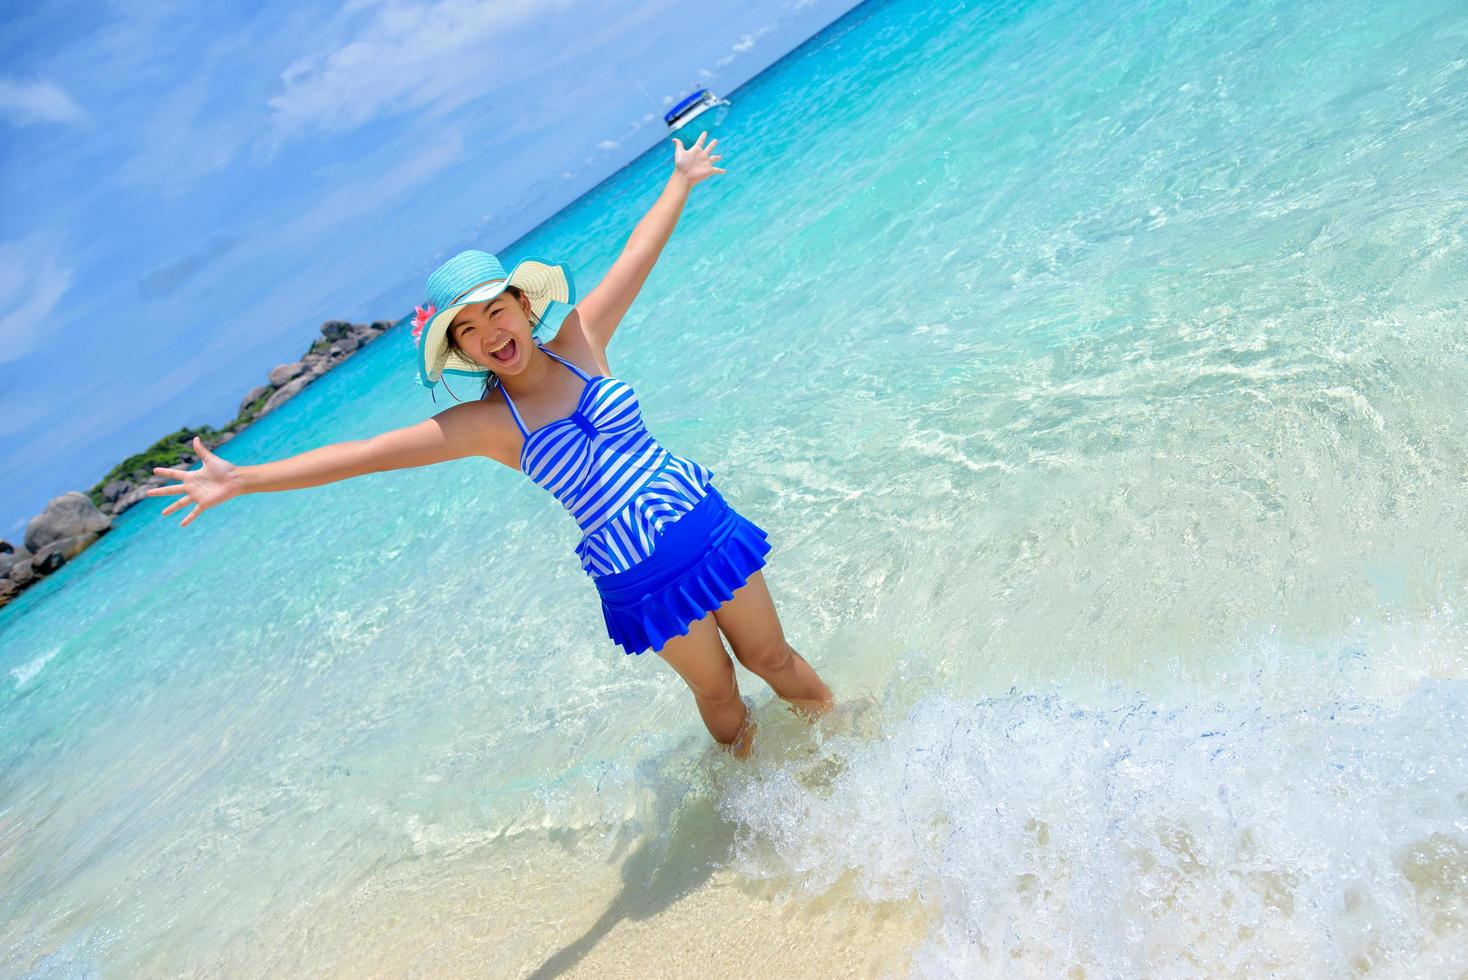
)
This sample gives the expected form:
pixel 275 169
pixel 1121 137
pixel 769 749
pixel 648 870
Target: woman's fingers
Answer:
pixel 178 504
pixel 712 143
pixel 198 508
pixel 166 471
pixel 699 142
pixel 171 488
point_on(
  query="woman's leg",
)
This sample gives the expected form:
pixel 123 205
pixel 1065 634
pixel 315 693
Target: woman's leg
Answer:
pixel 750 622
pixel 699 658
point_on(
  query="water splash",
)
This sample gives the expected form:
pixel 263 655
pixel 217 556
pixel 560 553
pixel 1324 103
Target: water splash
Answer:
pixel 1138 837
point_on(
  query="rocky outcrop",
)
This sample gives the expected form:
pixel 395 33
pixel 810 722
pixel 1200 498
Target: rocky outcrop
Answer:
pixel 280 374
pixel 70 515
pixel 74 520
pixel 255 395
pixel 21 573
pixel 59 533
pixel 284 395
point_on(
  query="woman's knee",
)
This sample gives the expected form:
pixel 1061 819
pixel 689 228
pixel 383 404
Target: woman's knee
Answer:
pixel 768 656
pixel 715 684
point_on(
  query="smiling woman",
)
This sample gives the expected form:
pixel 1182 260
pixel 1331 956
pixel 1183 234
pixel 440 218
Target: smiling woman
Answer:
pixel 462 331
pixel 674 565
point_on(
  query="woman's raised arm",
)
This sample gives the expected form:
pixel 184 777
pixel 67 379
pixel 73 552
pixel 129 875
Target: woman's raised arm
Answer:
pixel 451 434
pixel 604 307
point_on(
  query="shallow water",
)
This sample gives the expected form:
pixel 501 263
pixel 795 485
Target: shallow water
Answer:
pixel 1096 370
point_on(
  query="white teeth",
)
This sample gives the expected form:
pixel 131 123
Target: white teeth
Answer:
pixel 507 340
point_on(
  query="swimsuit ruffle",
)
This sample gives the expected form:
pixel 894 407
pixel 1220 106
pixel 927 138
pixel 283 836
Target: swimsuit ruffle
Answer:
pixel 700 562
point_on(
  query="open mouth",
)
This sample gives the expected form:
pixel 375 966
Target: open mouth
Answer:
pixel 504 353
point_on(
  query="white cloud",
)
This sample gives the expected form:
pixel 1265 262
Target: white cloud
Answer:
pixel 608 145
pixel 185 139
pixel 33 279
pixel 435 56
pixel 743 46
pixel 24 103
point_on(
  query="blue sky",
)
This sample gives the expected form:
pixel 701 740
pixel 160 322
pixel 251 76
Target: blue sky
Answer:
pixel 188 190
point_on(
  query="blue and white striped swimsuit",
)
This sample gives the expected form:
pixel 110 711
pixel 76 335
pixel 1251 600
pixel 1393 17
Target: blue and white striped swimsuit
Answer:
pixel 604 467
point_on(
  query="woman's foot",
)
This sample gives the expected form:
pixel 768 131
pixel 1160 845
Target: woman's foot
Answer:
pixel 743 742
pixel 812 708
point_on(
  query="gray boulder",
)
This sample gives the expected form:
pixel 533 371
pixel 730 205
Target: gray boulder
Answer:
pixel 128 499
pixel 380 326
pixel 7 562
pixel 66 516
pixel 49 560
pixel 349 343
pixel 67 548
pixel 6 548
pixel 284 395
pixel 316 364
pixel 335 329
pixel 8 590
pixel 282 373
pixel 253 397
pixel 21 573
pixel 140 492
pixel 115 489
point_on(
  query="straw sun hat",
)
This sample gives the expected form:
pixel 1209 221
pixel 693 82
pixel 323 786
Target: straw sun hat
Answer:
pixel 475 277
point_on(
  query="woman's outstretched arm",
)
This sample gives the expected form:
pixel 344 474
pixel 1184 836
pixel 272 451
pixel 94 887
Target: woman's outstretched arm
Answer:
pixel 463 430
pixel 604 307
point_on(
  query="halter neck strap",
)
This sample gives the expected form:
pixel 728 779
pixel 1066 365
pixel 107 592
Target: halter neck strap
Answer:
pixel 579 373
pixel 524 432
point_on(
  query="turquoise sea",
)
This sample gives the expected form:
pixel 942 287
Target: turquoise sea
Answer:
pixel 1097 370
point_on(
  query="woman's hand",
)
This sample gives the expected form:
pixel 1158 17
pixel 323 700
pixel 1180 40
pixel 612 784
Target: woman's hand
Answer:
pixel 695 162
pixel 212 483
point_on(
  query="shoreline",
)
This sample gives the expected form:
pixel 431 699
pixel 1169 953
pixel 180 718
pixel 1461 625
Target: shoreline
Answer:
pixel 72 521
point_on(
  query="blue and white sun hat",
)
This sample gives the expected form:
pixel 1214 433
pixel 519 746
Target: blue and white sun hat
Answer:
pixel 476 277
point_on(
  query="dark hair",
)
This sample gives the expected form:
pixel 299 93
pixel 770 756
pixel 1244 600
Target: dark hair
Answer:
pixel 491 380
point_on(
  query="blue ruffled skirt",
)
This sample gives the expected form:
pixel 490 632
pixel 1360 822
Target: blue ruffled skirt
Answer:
pixel 695 566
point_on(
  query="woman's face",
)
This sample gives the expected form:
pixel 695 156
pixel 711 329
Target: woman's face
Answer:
pixel 495 334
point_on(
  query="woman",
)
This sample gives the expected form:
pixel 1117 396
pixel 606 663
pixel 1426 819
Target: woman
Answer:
pixel 675 565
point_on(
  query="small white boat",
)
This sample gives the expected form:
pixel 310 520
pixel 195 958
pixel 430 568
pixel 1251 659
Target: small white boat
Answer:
pixel 696 106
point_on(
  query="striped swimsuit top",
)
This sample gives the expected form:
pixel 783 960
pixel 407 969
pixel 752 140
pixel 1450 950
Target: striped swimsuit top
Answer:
pixel 604 467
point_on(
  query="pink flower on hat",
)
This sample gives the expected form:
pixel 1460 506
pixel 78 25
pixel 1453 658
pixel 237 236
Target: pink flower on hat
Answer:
pixel 421 316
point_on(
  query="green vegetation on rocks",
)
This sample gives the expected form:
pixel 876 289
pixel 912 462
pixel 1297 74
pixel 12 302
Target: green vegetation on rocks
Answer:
pixel 165 452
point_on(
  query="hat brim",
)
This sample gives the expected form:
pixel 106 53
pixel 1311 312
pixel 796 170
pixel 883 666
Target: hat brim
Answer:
pixel 544 283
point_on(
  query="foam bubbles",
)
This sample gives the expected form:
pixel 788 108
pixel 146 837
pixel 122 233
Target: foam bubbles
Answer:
pixel 1136 837
pixel 26 672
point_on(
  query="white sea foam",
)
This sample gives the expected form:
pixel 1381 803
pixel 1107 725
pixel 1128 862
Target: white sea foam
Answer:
pixel 26 672
pixel 1140 838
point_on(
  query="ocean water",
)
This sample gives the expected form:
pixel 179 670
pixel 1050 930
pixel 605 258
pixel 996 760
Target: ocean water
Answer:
pixel 1097 370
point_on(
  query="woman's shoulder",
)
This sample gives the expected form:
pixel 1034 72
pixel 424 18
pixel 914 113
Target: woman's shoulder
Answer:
pixel 574 344
pixel 490 426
